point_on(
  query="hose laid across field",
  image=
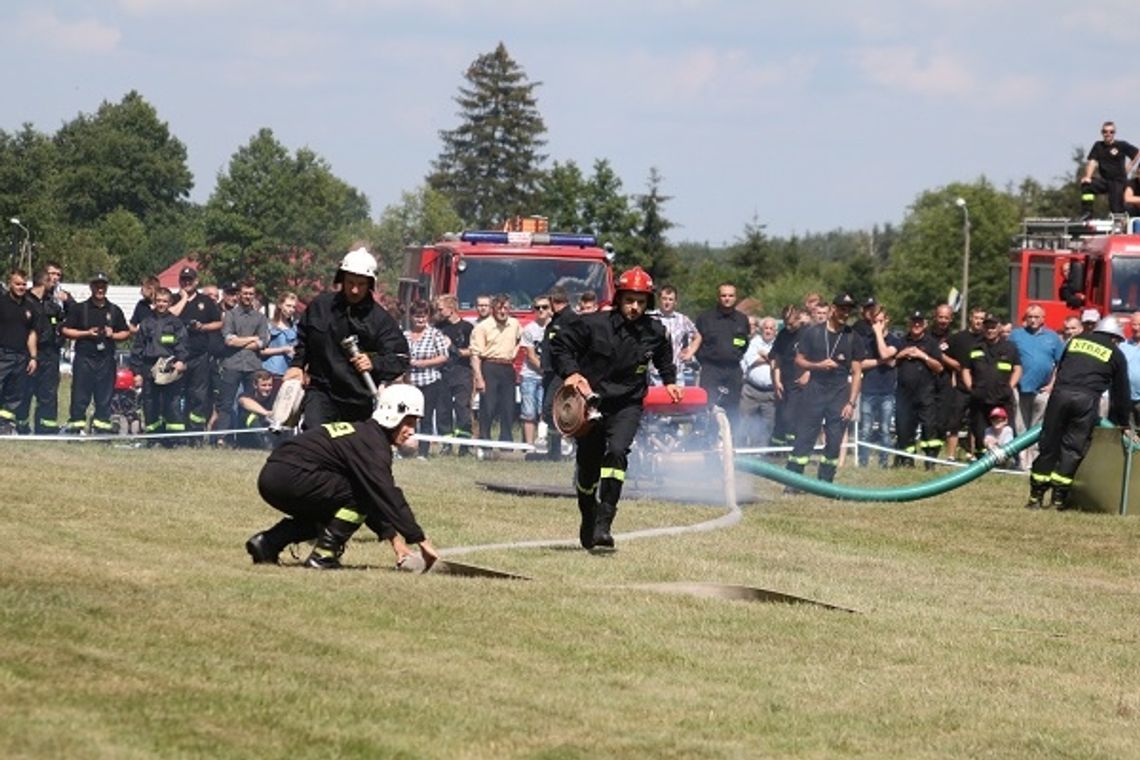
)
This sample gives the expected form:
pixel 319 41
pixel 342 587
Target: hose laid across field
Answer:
pixel 904 493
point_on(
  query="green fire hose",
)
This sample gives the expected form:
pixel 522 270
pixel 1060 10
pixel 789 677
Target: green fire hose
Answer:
pixel 905 493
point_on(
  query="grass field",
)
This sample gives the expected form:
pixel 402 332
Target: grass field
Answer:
pixel 134 625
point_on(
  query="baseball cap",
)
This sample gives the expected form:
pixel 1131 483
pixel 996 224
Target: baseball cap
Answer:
pixel 843 299
pixel 188 273
pixel 867 304
pixel 917 316
pixel 99 277
pixel 231 287
pixel 991 319
pixel 1090 315
pixel 997 413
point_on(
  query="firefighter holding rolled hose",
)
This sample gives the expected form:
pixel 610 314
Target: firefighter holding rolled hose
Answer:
pixel 604 357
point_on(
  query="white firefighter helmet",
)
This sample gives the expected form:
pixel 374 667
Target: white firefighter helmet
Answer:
pixel 397 402
pixel 163 371
pixel 358 261
pixel 1110 326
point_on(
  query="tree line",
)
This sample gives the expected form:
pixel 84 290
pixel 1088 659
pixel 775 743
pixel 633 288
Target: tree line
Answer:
pixel 109 191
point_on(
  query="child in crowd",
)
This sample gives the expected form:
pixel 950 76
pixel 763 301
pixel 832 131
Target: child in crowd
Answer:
pixel 999 433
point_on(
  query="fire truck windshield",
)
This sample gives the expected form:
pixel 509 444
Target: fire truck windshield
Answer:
pixel 1125 283
pixel 524 279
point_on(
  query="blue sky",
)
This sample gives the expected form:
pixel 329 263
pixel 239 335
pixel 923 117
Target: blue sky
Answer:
pixel 806 116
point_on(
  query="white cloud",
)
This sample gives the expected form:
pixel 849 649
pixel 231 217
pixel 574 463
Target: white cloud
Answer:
pixel 46 30
pixel 702 76
pixel 902 68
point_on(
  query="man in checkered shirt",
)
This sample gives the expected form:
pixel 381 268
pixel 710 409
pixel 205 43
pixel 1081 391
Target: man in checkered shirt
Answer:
pixel 681 330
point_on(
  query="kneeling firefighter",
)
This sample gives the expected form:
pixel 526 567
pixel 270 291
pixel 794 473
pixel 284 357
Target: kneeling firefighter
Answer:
pixel 1092 363
pixel 331 478
pixel 604 357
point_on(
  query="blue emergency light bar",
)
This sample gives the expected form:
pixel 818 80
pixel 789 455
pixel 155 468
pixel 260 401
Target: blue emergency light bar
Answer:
pixel 535 238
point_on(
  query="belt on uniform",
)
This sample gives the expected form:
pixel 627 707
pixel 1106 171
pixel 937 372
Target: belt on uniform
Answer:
pixel 765 388
pixel 497 361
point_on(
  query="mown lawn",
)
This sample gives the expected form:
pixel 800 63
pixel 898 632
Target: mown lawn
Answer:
pixel 134 625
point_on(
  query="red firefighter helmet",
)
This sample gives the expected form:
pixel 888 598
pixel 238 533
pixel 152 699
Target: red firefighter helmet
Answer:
pixel 124 379
pixel 635 280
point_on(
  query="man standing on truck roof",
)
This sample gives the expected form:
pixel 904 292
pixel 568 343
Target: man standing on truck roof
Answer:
pixel 1114 159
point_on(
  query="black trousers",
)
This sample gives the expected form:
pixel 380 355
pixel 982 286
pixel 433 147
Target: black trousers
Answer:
pixel 232 380
pixel 822 407
pixel 453 415
pixel 787 415
pixel 498 403
pixel 43 386
pixel 310 498
pixel 429 423
pixel 1113 188
pixel 1070 417
pixel 92 379
pixel 730 377
pixel 198 387
pixel 162 405
pixel 318 407
pixel 13 381
pixel 914 408
pixel 603 453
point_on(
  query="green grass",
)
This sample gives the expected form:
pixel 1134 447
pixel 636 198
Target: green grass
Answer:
pixel 133 624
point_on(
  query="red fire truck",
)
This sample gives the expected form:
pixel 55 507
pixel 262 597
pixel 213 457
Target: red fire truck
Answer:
pixel 523 260
pixel 1067 266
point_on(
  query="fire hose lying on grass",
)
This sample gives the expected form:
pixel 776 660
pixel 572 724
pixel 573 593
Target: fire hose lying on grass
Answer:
pixel 925 490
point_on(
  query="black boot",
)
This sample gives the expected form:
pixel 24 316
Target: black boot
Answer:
pixel 602 525
pixel 588 508
pixel 260 550
pixel 1036 495
pixel 264 547
pixel 326 553
pixel 1060 499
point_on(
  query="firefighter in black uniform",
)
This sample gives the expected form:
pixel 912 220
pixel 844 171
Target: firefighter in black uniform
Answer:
pixel 1092 363
pixel 789 380
pixel 336 390
pixel 50 304
pixel 95 325
pixel 1113 159
pixel 608 353
pixel 161 336
pixel 989 374
pixel 918 363
pixel 724 333
pixel 455 405
pixel 203 319
pixel 832 352
pixel 561 315
pixel 18 352
pixel 332 477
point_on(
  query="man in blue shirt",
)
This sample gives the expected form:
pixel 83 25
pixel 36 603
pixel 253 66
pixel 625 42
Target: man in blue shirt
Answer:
pixel 1040 350
pixel 1131 350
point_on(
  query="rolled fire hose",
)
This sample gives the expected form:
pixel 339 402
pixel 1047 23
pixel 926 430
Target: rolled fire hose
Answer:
pixel 912 492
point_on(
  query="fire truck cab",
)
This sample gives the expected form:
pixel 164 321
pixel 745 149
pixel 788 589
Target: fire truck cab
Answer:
pixel 523 260
pixel 1067 266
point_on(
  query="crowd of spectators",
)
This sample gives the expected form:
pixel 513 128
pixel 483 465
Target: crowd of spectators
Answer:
pixel 920 383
